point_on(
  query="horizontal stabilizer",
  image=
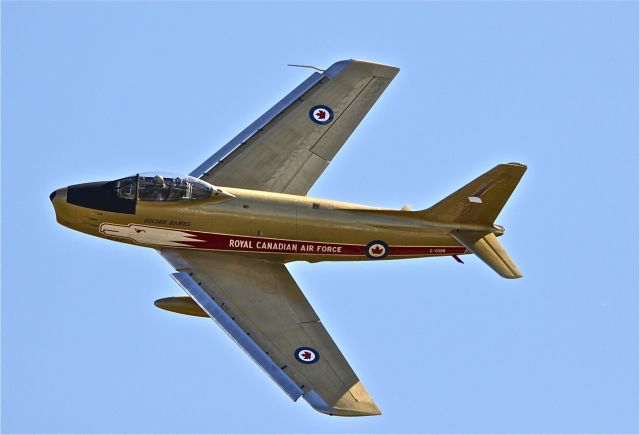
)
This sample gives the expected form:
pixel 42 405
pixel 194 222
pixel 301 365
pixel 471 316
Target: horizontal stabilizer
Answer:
pixel 487 247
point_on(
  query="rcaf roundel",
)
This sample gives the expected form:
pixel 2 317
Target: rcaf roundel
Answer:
pixel 306 355
pixel 376 249
pixel 321 114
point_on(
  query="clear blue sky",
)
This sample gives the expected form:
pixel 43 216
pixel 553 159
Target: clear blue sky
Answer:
pixel 101 90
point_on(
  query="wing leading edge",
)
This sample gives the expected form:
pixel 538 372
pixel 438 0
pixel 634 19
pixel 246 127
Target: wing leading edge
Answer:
pixel 263 310
pixel 287 148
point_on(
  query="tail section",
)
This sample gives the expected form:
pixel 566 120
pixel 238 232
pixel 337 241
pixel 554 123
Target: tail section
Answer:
pixel 480 201
pixel 469 215
pixel 478 204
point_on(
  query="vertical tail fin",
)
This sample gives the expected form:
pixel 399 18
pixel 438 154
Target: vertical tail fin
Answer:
pixel 480 201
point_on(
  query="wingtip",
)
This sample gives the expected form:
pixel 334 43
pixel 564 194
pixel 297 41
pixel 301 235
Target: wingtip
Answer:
pixel 347 405
pixel 517 164
pixel 378 69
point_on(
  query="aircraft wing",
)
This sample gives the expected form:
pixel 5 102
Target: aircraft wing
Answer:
pixel 287 148
pixel 263 310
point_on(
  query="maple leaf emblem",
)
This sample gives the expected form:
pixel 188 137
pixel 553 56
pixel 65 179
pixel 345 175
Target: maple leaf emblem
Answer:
pixel 377 250
pixel 321 114
pixel 306 355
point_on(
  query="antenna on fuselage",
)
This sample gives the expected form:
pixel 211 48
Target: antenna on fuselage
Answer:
pixel 306 66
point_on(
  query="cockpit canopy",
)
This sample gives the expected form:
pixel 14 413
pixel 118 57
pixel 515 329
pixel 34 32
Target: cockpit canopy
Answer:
pixel 168 187
pixel 121 195
pixel 155 186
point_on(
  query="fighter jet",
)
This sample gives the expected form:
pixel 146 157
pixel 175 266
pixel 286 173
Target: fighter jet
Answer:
pixel 230 227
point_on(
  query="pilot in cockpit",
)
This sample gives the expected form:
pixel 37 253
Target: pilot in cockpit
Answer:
pixel 160 187
pixel 176 187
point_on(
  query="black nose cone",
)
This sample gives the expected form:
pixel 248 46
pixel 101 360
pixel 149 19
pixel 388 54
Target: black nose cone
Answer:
pixel 53 195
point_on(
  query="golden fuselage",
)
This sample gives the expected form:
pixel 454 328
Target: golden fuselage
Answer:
pixel 273 226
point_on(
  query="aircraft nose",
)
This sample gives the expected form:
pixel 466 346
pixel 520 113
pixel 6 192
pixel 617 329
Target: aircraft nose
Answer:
pixel 58 195
pixel 58 200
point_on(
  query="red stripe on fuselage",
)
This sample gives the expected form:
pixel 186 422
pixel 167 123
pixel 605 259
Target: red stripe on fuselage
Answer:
pixel 229 242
